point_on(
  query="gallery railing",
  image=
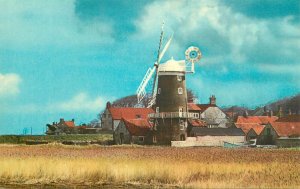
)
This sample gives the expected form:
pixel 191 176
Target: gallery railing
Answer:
pixel 174 115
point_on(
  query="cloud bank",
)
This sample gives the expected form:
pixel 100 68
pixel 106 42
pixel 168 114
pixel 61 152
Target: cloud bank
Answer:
pixel 9 84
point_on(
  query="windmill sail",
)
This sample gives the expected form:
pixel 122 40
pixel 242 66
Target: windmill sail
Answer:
pixel 141 91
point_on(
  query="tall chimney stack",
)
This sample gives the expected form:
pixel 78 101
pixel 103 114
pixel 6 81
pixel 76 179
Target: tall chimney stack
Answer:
pixel 212 100
pixel 280 111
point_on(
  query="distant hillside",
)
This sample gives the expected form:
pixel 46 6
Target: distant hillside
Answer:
pixel 288 104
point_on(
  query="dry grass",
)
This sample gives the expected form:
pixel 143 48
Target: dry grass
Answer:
pixel 189 167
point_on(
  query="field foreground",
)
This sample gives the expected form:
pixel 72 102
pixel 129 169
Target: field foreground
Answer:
pixel 149 166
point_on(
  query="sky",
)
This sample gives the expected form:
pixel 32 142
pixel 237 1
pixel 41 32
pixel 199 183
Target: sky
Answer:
pixel 67 58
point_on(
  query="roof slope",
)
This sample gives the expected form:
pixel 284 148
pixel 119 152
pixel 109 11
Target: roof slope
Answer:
pixel 193 107
pixel 70 124
pixel 256 119
pixel 289 118
pixel 129 113
pixel 197 123
pixel 202 131
pixel 286 129
pixel 203 107
pixel 246 127
pixel 137 127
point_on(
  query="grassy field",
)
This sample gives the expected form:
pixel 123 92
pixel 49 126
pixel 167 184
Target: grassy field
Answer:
pixel 22 139
pixel 150 166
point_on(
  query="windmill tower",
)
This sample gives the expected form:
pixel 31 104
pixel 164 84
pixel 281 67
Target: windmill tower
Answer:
pixel 169 95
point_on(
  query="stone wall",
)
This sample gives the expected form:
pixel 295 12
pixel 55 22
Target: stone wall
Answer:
pixel 208 141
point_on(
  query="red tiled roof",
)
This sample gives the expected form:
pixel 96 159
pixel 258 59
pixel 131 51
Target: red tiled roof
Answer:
pixel 197 123
pixel 137 127
pixel 258 129
pixel 263 120
pixel 247 126
pixel 129 113
pixel 192 106
pixel 289 118
pixel 203 107
pixel 285 129
pixel 70 124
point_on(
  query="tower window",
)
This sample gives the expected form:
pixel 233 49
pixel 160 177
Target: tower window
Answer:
pixel 180 91
pixel 179 78
pixel 158 90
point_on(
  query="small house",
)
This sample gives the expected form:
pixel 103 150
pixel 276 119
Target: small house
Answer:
pixel 210 113
pixel 131 131
pixel 112 116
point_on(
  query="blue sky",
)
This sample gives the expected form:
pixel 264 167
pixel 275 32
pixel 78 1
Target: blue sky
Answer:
pixel 67 58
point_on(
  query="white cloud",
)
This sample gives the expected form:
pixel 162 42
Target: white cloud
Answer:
pixel 81 102
pixel 35 23
pixel 9 84
pixel 221 31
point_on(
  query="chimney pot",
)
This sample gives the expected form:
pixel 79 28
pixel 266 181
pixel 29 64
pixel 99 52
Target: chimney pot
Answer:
pixel 212 100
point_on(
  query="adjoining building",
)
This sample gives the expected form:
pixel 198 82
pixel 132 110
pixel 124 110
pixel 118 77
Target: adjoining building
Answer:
pixel 129 131
pixel 285 132
pixel 213 116
pixel 252 126
pixel 61 127
pixel 112 116
pixel 68 127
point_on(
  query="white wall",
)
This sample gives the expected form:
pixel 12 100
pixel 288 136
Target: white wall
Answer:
pixel 208 141
pixel 215 114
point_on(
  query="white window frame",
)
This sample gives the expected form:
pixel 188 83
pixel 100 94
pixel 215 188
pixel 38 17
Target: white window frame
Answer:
pixel 180 90
pixel 181 127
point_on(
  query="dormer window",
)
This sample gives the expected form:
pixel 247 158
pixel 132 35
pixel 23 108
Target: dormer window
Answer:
pixel 138 116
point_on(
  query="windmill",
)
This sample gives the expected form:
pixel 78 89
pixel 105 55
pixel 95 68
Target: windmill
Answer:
pixel 152 73
pixel 169 95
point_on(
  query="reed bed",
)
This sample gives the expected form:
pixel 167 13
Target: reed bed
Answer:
pixel 155 166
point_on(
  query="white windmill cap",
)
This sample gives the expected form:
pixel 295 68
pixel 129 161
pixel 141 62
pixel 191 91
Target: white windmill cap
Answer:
pixel 172 66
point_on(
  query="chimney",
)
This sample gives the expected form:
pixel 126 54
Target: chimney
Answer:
pixel 280 111
pixel 271 113
pixel 61 120
pixel 212 100
pixel 245 113
pixel 73 120
pixel 265 109
pixel 108 105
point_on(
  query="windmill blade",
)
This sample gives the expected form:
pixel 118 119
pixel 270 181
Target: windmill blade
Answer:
pixel 141 91
pixel 157 65
pixel 165 49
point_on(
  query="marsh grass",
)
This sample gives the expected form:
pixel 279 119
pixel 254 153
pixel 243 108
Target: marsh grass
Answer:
pixel 192 174
pixel 159 170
